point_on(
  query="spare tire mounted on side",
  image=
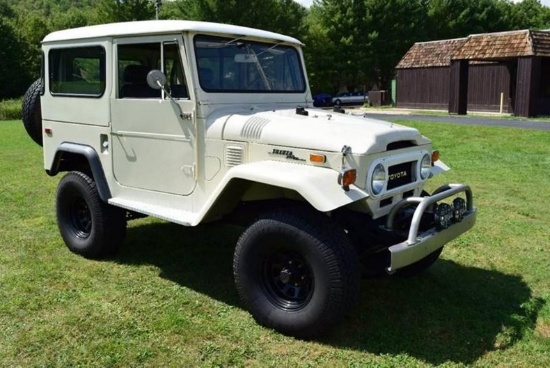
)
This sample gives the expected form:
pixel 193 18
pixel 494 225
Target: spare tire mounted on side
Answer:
pixel 31 112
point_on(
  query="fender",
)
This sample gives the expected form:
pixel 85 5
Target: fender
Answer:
pixel 318 185
pixel 93 160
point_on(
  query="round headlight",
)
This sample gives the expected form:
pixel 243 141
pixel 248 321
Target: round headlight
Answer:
pixel 425 166
pixel 378 179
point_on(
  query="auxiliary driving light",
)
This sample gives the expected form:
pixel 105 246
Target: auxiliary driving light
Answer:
pixel 443 216
pixel 459 209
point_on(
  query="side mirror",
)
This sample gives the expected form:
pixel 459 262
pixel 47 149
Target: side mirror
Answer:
pixel 156 79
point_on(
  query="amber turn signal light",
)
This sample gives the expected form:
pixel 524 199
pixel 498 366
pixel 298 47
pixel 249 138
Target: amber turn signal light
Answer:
pixel 318 159
pixel 435 156
pixel 347 177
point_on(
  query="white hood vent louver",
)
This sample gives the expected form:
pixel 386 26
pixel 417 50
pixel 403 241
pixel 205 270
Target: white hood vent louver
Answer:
pixel 233 156
pixel 253 127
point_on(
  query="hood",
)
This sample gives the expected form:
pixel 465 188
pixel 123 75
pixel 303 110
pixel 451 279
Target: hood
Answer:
pixel 320 130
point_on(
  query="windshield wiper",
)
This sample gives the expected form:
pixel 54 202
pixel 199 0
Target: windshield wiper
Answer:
pixel 271 48
pixel 259 66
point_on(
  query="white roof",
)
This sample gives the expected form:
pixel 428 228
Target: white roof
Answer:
pixel 150 27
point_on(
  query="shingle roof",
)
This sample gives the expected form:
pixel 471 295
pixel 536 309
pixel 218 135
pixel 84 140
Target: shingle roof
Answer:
pixel 495 46
pixel 487 47
pixel 430 54
pixel 541 42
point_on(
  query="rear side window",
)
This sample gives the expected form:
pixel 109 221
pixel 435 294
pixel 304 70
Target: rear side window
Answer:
pixel 77 71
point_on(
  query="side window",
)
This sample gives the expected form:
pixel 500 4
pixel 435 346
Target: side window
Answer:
pixel 77 71
pixel 135 61
pixel 175 78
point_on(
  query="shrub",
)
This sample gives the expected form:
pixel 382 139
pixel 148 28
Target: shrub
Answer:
pixel 10 109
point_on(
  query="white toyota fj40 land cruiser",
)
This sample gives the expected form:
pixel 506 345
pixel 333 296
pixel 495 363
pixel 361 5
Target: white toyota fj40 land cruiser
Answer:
pixel 193 122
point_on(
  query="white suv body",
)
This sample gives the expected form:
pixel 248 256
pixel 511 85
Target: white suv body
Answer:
pixel 233 128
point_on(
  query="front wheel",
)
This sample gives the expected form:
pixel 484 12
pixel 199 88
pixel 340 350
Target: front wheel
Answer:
pixel 89 226
pixel 296 272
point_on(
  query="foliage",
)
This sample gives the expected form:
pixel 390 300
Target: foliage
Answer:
pixel 10 109
pixel 109 11
pixel 395 25
pixel 14 81
pixel 350 44
pixel 282 16
pixel 460 18
pixel 168 299
pixel 530 14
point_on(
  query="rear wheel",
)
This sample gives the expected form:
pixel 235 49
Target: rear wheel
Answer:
pixel 338 103
pixel 296 272
pixel 89 226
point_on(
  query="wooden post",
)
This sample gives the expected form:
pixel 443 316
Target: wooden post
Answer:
pixel 458 96
pixel 528 85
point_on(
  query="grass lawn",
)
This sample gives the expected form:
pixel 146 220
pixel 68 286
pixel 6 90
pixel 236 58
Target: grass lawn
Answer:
pixel 168 298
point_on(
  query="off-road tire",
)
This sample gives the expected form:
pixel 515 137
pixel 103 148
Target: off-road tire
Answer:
pixel 31 112
pixel 296 272
pixel 89 226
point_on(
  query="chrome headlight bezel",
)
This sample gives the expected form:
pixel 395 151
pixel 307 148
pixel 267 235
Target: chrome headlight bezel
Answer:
pixel 425 167
pixel 378 179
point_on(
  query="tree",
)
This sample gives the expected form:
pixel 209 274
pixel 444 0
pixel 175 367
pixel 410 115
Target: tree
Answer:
pixel 320 54
pixel 282 16
pixel 14 77
pixel 530 14
pixel 460 18
pixel 395 25
pixel 345 24
pixel 109 11
pixel 369 37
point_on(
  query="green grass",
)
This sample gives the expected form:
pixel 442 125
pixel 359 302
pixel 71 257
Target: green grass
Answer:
pixel 10 109
pixel 168 299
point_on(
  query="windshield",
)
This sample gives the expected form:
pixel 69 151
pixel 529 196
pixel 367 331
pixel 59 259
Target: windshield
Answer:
pixel 235 65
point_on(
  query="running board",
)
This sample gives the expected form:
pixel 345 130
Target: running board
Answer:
pixel 169 214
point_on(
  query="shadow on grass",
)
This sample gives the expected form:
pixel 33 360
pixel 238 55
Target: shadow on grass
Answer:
pixel 452 313
pixel 199 258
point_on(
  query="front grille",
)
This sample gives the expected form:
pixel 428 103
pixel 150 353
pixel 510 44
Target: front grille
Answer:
pixel 400 175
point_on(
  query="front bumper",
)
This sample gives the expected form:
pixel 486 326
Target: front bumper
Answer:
pixel 418 246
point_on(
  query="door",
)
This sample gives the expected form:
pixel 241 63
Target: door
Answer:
pixel 153 143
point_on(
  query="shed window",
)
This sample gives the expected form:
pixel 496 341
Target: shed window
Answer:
pixel 77 71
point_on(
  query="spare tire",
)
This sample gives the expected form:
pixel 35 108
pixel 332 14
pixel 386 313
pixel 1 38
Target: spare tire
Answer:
pixel 31 112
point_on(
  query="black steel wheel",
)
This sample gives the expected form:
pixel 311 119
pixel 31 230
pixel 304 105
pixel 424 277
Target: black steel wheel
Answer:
pixel 296 272
pixel 89 226
pixel 289 281
pixel 80 218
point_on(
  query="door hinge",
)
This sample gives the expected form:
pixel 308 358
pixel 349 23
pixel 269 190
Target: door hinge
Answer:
pixel 186 115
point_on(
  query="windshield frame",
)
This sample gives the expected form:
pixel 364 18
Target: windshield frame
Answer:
pixel 224 51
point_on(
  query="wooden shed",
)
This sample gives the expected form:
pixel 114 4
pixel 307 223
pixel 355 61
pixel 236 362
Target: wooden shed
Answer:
pixel 485 72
